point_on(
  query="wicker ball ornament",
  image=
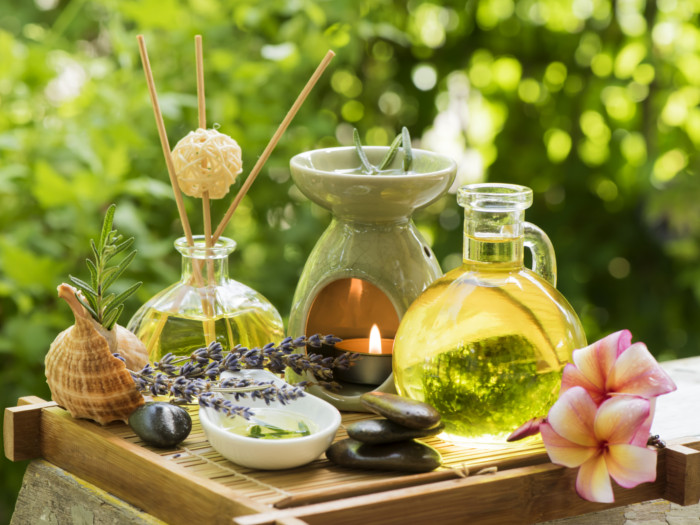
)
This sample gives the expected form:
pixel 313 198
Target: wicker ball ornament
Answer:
pixel 206 160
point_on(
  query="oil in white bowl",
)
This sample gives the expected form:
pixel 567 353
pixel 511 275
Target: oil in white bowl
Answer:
pixel 270 423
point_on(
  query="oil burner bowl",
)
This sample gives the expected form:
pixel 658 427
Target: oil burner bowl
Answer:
pixel 319 175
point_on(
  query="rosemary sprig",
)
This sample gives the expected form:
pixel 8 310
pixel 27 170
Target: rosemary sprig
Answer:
pixel 402 140
pixel 407 151
pixel 106 308
pixel 198 376
pixel 369 169
pixel 392 152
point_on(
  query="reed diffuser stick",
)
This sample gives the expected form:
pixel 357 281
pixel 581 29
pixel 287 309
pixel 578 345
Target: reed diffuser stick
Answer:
pixel 207 302
pixel 273 142
pixel 202 112
pixel 164 140
pixel 201 104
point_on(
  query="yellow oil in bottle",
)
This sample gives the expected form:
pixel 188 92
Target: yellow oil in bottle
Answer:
pixel 164 332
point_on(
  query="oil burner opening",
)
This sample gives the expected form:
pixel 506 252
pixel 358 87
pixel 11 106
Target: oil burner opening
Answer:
pixel 364 317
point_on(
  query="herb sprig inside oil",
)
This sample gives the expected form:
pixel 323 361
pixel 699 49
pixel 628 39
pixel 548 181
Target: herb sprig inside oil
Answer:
pixel 267 431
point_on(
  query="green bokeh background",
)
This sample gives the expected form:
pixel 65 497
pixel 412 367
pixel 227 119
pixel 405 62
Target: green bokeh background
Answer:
pixel 592 103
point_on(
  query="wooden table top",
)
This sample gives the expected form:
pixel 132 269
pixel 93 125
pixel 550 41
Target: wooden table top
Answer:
pixel 678 413
pixel 676 417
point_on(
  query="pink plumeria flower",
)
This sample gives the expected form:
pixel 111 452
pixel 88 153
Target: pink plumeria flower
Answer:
pixel 599 440
pixel 615 366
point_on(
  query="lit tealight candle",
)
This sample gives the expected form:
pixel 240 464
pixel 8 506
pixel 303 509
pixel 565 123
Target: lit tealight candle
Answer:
pixel 374 366
pixel 374 345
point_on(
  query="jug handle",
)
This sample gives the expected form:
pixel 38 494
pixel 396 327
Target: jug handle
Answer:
pixel 544 262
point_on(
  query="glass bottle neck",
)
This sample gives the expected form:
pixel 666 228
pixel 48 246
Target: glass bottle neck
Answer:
pixel 204 272
pixel 493 237
pixel 204 265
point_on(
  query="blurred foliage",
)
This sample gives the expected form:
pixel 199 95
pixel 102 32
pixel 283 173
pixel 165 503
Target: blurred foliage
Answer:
pixel 592 103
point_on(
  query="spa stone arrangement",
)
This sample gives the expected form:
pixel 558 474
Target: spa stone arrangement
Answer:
pixel 483 356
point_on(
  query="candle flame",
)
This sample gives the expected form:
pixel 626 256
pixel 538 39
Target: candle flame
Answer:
pixel 375 340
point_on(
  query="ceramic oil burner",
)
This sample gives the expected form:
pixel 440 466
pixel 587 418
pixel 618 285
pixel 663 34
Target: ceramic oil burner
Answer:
pixel 371 262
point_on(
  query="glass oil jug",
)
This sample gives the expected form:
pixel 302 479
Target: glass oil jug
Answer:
pixel 205 305
pixel 486 343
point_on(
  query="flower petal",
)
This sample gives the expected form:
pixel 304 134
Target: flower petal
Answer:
pixel 572 377
pixel 637 372
pixel 596 360
pixel 562 451
pixel 593 482
pixel 619 419
pixel 529 428
pixel 572 417
pixel 642 435
pixel 630 465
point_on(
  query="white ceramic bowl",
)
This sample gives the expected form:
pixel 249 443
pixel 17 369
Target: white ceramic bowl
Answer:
pixel 273 454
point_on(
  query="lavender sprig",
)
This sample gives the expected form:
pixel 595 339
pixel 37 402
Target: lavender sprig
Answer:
pixel 218 403
pixel 197 376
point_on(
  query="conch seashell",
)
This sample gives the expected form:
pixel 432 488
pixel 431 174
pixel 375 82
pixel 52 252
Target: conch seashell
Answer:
pixel 83 375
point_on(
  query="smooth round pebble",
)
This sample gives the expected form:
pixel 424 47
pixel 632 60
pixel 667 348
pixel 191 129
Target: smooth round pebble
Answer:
pixel 401 410
pixel 161 424
pixel 405 456
pixel 374 431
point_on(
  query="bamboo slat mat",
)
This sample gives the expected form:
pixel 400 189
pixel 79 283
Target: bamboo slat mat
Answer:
pixel 198 457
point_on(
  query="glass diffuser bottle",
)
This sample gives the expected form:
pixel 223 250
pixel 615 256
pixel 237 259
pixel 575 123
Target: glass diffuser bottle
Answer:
pixel 486 343
pixel 205 305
